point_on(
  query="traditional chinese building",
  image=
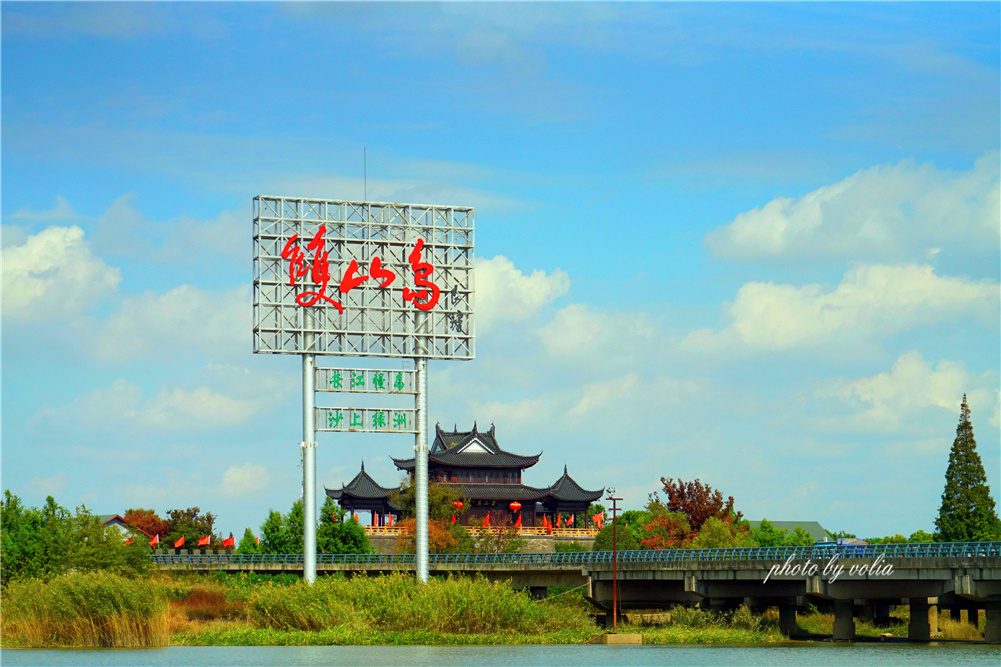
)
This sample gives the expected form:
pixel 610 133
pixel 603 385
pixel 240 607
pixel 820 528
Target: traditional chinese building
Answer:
pixel 486 475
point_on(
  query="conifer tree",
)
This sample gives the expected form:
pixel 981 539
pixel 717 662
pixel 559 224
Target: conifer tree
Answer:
pixel 967 513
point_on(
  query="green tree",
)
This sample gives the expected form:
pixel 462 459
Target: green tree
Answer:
pixel 189 524
pixel 624 539
pixel 799 538
pixel 767 535
pixel 248 544
pixel 718 533
pixel 920 536
pixel 54 538
pixel 96 546
pixel 20 547
pixel 338 536
pixel 842 534
pixel 967 513
pixel 443 535
pixel 274 534
pixel 889 539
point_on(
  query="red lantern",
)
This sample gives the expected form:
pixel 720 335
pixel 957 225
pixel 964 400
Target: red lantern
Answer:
pixel 515 506
pixel 457 504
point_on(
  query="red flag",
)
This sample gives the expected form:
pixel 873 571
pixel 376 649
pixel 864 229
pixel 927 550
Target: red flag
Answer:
pixel 486 522
pixel 128 541
pixel 204 542
pixel 373 518
pixel 229 542
pixel 571 522
pixel 155 541
pixel 257 540
pixel 453 518
pixel 356 518
pixel 178 543
pixel 518 521
pixel 559 520
pixel 597 520
pixel 389 519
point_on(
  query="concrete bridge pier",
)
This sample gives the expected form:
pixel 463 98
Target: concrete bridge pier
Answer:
pixel 924 619
pixel 992 629
pixel 844 622
pixel 787 619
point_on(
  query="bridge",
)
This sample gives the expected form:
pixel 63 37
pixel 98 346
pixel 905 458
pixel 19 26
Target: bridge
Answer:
pixel 856 580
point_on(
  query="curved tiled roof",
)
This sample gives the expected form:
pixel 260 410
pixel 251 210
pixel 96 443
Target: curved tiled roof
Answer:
pixel 454 449
pixel 567 489
pixel 362 486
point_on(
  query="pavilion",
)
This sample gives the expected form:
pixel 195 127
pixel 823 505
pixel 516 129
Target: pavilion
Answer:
pixel 486 475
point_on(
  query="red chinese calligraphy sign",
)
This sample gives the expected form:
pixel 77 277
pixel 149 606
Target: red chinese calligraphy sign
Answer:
pixel 353 277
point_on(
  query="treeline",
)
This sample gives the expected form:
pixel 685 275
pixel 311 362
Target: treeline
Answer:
pixel 52 540
pixel 336 533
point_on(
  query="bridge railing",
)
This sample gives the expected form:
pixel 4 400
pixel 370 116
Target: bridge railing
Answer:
pixel 932 550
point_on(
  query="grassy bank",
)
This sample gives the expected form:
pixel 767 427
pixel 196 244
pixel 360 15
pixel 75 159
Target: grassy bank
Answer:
pixel 105 610
pixel 90 610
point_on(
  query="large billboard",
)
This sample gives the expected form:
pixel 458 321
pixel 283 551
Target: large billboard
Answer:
pixel 363 278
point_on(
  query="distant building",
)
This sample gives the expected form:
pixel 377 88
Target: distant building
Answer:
pixel 124 527
pixel 816 531
pixel 486 475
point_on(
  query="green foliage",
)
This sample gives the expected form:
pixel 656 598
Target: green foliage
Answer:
pixel 967 513
pixel 190 524
pixel 889 539
pixel 920 536
pixel 47 542
pixel 799 538
pixel 338 536
pixel 248 543
pixel 569 547
pixel 95 546
pixel 719 534
pixel 624 539
pixel 767 535
pixel 274 534
pixel 842 534
pixel 440 501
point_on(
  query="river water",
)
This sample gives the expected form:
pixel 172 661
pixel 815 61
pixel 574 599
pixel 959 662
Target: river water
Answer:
pixel 808 653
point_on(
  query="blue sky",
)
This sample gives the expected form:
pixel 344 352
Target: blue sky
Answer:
pixel 754 244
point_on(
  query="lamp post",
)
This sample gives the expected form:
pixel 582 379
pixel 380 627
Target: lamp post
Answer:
pixel 615 558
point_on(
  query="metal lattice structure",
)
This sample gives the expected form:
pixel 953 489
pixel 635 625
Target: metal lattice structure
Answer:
pixel 376 321
pixel 776 554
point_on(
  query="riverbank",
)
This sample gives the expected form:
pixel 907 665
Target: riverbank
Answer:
pixel 103 610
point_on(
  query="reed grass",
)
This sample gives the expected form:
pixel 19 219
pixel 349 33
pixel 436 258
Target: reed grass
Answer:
pixel 399 603
pixel 85 610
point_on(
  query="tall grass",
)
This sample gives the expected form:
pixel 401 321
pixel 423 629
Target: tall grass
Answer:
pixel 95 609
pixel 399 603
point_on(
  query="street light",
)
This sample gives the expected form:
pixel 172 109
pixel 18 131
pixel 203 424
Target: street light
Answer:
pixel 615 573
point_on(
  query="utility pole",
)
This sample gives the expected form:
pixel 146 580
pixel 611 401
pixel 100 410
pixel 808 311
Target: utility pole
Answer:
pixel 615 558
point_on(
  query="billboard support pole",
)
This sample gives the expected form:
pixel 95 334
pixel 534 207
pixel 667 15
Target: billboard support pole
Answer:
pixel 308 468
pixel 421 451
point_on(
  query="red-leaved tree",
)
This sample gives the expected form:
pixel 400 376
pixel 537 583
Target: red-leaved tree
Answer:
pixel 148 522
pixel 666 530
pixel 697 501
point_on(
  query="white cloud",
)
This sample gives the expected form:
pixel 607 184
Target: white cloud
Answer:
pixel 48 486
pixel 244 480
pixel 912 385
pixel 184 319
pixel 886 212
pixel 53 275
pixel 574 330
pixel 870 301
pixel 201 408
pixel 121 405
pixel 503 293
pixel 122 229
pixel 62 211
